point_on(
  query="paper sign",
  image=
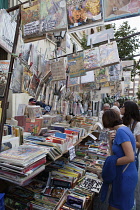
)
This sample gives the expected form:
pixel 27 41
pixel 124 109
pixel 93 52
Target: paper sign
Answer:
pixel 72 152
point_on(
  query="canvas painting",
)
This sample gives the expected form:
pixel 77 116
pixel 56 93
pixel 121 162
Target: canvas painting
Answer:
pixel 58 69
pixel 4 68
pixel 101 75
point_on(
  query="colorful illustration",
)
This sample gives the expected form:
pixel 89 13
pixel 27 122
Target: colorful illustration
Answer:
pixel 91 59
pixel 109 54
pixel 83 12
pixel 76 64
pixel 116 9
pixel 115 72
pixel 101 75
pixel 44 16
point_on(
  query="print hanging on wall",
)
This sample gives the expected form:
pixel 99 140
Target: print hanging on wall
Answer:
pixel 91 59
pixel 115 72
pixel 109 54
pixel 116 9
pixel 58 69
pixel 4 68
pixel 83 12
pixel 44 16
pixel 76 64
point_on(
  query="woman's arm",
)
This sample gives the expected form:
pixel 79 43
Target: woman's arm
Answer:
pixel 129 154
pixel 138 141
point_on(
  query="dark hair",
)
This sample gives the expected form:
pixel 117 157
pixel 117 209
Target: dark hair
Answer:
pixel 32 100
pixel 131 112
pixel 111 118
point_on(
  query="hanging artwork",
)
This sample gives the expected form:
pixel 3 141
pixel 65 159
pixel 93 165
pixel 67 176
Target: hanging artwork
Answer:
pixel 91 59
pixel 58 69
pixel 44 16
pixel 83 12
pixel 109 54
pixel 101 75
pixel 89 77
pixel 7 31
pixel 4 68
pixel 115 72
pixel 74 81
pixel 116 9
pixel 76 64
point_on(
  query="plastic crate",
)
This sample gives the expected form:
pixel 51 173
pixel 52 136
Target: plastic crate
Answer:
pixel 2 206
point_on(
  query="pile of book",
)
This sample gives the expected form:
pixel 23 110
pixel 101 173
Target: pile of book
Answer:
pixel 80 196
pixel 19 165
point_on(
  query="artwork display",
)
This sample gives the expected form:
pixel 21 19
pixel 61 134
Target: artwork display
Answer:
pixel 116 9
pixel 115 72
pixel 76 64
pixel 89 77
pixel 74 81
pixel 83 12
pixel 58 69
pixel 7 31
pixel 101 75
pixel 91 59
pixel 100 36
pixel 4 68
pixel 109 54
pixel 44 16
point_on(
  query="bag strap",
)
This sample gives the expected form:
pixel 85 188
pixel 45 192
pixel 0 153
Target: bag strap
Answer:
pixel 125 168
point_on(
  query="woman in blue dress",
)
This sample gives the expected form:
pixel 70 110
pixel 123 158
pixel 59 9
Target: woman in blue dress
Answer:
pixel 124 146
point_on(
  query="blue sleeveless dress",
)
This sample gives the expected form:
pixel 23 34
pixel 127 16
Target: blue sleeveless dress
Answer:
pixel 123 186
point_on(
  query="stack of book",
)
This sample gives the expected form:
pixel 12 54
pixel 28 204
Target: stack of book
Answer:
pixel 19 165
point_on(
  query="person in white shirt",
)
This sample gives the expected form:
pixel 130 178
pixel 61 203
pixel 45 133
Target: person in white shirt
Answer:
pixel 106 106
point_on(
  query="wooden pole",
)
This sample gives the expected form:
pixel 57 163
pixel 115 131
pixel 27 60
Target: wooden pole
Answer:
pixel 5 98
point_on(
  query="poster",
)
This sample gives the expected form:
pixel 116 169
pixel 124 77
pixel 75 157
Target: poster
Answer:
pixel 58 69
pixel 7 31
pixel 74 81
pixel 89 77
pixel 115 72
pixel 109 54
pixel 101 36
pixel 101 75
pixel 91 59
pixel 83 12
pixel 76 64
pixel 116 9
pixel 53 15
pixel 4 68
pixel 44 16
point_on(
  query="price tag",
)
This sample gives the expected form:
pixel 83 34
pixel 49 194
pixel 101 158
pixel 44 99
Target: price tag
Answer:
pixel 72 152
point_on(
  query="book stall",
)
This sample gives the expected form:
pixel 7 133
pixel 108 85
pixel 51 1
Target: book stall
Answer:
pixel 52 153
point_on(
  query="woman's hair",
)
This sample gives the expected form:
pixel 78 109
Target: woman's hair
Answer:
pixel 131 112
pixel 111 118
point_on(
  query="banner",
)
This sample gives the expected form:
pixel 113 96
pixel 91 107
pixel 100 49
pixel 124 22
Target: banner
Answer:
pixel 83 12
pixel 76 64
pixel 4 68
pixel 7 31
pixel 58 69
pixel 44 16
pixel 120 9
pixel 91 59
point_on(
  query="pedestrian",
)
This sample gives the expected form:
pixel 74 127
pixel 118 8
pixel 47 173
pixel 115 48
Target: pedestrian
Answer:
pixel 124 172
pixel 131 118
pixel 106 106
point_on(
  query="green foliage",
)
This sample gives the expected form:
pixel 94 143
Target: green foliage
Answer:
pixel 128 46
pixel 84 42
pixel 138 94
